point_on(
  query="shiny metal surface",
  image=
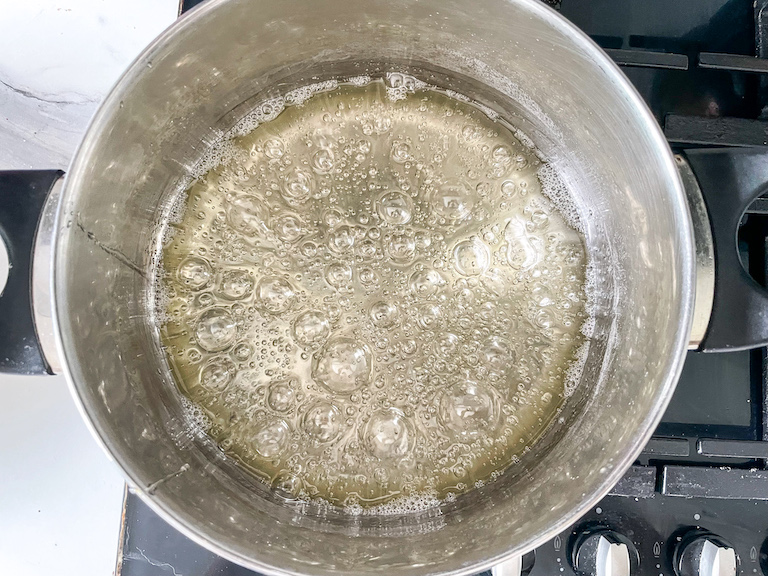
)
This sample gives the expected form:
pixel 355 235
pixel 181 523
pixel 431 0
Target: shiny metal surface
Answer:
pixel 4 265
pixel 705 254
pixel 612 559
pixel 42 279
pixel 536 70
pixel 511 567
pixel 717 561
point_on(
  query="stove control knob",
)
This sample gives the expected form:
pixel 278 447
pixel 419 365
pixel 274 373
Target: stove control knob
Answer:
pixel 705 555
pixel 764 558
pixel 515 566
pixel 511 567
pixel 604 553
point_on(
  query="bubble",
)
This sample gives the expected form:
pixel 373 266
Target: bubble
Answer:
pixel 367 249
pixel 215 330
pixel 452 201
pixel 298 186
pixel 242 352
pixel 446 345
pixel 380 475
pixel 194 273
pixel 364 146
pixel 428 316
pixel 333 218
pixel 360 80
pixel 471 132
pixel 270 437
pixel 288 227
pixel 334 311
pixel 235 284
pixel 389 434
pixel 557 191
pixel 342 365
pixel 498 354
pixel 425 283
pixel 395 208
pixel 423 239
pixel 309 249
pixel 368 277
pixel 247 214
pixel 217 374
pixel 521 253
pixel 311 328
pixel 338 274
pixel 401 248
pixel 274 148
pixel 281 395
pixel 468 409
pixel 400 80
pixel 287 482
pixel 323 161
pixel 501 154
pixel 483 189
pixel 508 188
pixel 539 218
pixel 384 314
pixel 409 347
pixel 322 422
pixel 275 295
pixel 401 152
pixel 382 124
pixel 495 282
pixel 544 318
pixel 471 257
pixel 341 240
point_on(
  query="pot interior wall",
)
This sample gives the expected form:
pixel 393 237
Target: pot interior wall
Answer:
pixel 206 72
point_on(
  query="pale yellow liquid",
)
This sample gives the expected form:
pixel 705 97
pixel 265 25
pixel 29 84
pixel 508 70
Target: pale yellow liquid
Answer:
pixel 372 298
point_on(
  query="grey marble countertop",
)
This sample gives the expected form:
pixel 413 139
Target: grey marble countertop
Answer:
pixel 60 496
pixel 58 59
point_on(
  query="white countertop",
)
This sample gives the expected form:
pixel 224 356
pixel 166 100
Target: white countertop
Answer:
pixel 60 496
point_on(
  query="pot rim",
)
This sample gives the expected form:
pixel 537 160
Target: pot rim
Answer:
pixel 677 351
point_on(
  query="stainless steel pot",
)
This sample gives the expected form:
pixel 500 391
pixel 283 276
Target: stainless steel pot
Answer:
pixel 546 77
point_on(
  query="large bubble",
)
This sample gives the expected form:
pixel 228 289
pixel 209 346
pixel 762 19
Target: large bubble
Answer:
pixel 342 365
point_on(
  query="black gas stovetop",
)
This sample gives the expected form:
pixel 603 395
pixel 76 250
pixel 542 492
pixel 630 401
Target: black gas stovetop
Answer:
pixel 702 67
